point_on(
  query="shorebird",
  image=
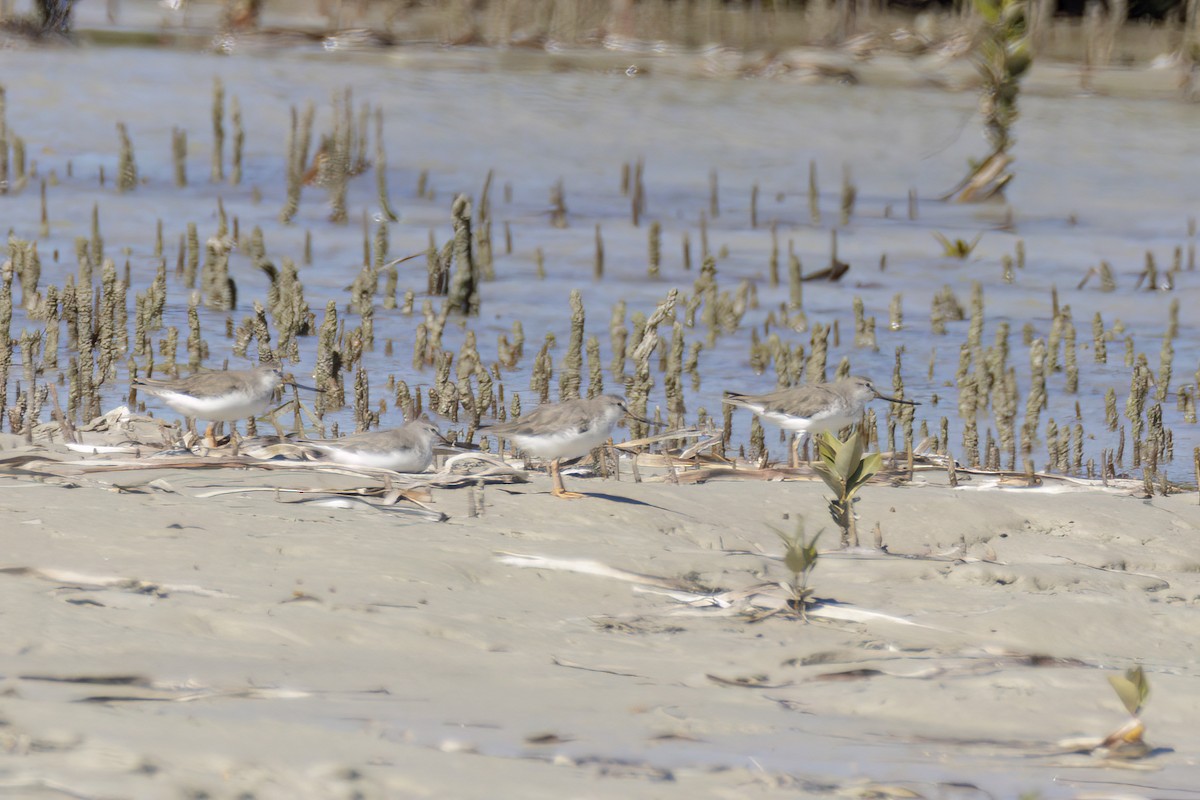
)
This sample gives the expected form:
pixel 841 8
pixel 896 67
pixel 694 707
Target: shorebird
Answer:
pixel 408 448
pixel 566 430
pixel 814 407
pixel 219 396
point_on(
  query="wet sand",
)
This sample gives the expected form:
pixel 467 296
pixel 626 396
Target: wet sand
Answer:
pixel 294 650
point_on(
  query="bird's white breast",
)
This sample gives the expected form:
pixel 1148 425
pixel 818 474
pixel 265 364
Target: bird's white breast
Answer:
pixel 225 408
pixel 399 459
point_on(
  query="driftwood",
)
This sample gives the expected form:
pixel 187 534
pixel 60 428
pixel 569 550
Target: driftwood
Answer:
pixel 755 602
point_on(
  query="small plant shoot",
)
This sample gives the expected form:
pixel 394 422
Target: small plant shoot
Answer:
pixel 800 557
pixel 845 470
pixel 957 248
pixel 1126 741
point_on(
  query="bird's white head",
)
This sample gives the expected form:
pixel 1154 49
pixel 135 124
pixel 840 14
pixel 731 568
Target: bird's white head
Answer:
pixel 425 425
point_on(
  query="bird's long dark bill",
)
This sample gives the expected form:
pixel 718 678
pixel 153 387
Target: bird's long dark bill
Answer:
pixel 305 388
pixel 897 400
pixel 641 419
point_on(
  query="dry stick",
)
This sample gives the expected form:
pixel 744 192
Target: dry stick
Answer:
pixel 595 368
pixel 385 205
pixel 464 284
pixel 1196 460
pixel 218 123
pixel 558 205
pixel 339 155
pixel 299 136
pixel 239 140
pixel 126 166
pixel 849 194
pixel 773 264
pixel 158 240
pixel 179 155
pixel 598 264
pixel 3 145
pixel 814 205
pixel 1108 283
pixel 28 344
pixel 96 255
pixel 655 249
pixel 20 176
pixel 1191 224
pixel 44 229
pixel 639 190
pixel 68 430
pixel 639 388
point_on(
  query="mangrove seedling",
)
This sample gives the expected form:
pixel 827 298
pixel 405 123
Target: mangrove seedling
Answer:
pixel 845 470
pixel 800 557
pixel 1001 56
pixel 957 248
pixel 1126 741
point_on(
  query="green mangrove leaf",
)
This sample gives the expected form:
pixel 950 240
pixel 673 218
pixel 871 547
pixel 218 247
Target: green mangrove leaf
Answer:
pixel 989 10
pixel 1126 691
pixel 828 447
pixel 1138 677
pixel 872 464
pixel 801 556
pixel 810 550
pixel 957 248
pixel 849 454
pixel 793 544
pixel 868 466
pixel 1019 62
pixel 832 480
pixel 1013 15
pixel 1132 688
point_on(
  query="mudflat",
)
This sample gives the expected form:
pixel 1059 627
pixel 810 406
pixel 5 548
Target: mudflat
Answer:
pixel 166 639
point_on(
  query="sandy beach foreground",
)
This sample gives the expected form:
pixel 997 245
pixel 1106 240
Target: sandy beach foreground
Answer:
pixel 159 643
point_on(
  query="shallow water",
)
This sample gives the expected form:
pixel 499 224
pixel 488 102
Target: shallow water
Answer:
pixel 1097 178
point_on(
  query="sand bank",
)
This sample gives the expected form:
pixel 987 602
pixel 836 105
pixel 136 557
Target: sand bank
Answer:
pixel 159 643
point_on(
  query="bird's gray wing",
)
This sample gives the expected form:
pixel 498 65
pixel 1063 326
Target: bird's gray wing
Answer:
pixel 552 416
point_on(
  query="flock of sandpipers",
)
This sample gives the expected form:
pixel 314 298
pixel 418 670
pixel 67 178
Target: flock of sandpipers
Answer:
pixel 555 431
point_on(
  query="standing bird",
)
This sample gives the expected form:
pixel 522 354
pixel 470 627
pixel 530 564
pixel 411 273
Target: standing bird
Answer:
pixel 814 407
pixel 220 396
pixel 408 448
pixel 566 430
